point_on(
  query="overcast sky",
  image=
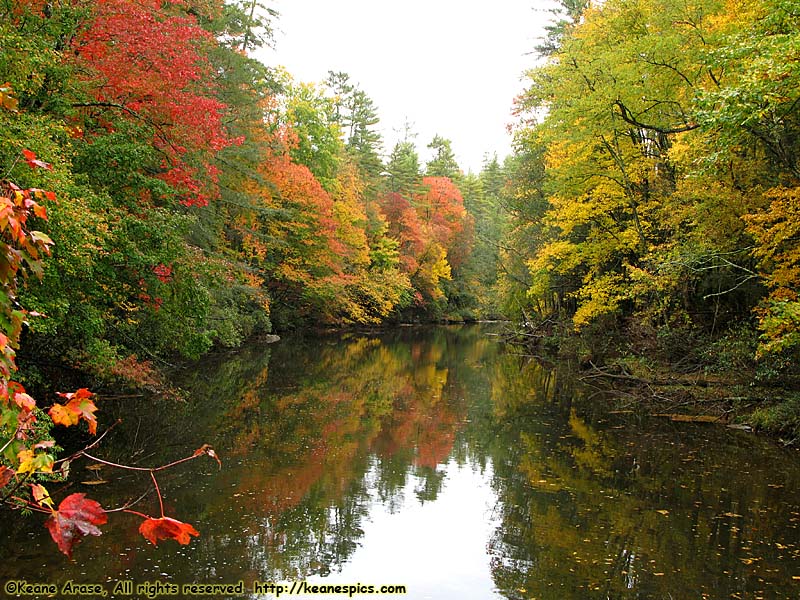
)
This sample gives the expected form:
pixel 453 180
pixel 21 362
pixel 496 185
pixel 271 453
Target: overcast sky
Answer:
pixel 448 67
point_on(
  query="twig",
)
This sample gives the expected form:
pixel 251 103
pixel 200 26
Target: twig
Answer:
pixel 92 445
pixel 28 504
pixel 158 493
pixel 204 450
pixel 127 505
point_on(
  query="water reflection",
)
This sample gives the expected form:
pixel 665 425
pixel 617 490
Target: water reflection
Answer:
pixel 433 458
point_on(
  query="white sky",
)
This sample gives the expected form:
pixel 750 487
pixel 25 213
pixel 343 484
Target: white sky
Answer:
pixel 448 67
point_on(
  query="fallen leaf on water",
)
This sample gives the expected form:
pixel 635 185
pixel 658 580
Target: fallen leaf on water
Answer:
pixel 167 528
pixel 663 512
pixel 681 418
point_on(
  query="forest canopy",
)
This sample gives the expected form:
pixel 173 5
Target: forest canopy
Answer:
pixel 656 179
pixel 200 196
pixel 203 196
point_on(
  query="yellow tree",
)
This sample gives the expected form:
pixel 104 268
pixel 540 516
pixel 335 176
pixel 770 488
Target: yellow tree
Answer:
pixel 605 111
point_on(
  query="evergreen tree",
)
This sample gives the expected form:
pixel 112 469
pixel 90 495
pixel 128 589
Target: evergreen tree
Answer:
pixel 403 170
pixel 443 163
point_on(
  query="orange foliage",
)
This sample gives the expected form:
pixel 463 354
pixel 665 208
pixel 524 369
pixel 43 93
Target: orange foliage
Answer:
pixel 441 208
pixel 404 226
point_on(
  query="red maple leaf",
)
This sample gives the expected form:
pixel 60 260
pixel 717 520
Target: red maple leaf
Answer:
pixel 76 517
pixel 166 528
pixel 80 406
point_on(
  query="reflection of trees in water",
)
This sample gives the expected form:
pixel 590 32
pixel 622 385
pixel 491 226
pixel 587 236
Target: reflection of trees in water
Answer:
pixel 591 511
pixel 324 430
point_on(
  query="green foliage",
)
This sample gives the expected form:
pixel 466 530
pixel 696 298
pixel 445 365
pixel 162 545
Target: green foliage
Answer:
pixel 476 293
pixel 357 117
pixel 310 115
pixel 734 351
pixel 443 163
pixel 782 417
pixel 403 170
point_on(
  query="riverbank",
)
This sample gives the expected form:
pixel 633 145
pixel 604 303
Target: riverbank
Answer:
pixel 679 375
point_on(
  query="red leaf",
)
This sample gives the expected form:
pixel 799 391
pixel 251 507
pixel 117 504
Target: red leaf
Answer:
pixel 166 528
pixel 33 162
pixel 24 401
pixel 163 272
pixel 81 393
pixel 6 475
pixel 209 451
pixel 76 517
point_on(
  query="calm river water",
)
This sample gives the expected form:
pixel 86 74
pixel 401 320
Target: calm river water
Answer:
pixel 435 459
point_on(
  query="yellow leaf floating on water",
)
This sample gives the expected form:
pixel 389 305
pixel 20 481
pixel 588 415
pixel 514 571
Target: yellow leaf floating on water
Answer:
pixel 663 512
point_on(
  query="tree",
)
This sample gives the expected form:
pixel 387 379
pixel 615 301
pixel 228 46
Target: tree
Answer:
pixel 311 117
pixel 147 67
pixel 618 91
pixel 403 170
pixel 750 122
pixel 443 163
pixel 486 203
pixel 568 14
pixel 357 116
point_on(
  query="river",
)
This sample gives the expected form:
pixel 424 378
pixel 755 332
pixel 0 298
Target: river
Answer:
pixel 433 458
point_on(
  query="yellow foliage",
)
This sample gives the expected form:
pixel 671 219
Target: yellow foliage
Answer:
pixel 777 231
pixel 433 268
pixel 599 296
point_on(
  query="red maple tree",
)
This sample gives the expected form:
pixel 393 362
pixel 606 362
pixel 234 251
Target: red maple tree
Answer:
pixel 147 61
